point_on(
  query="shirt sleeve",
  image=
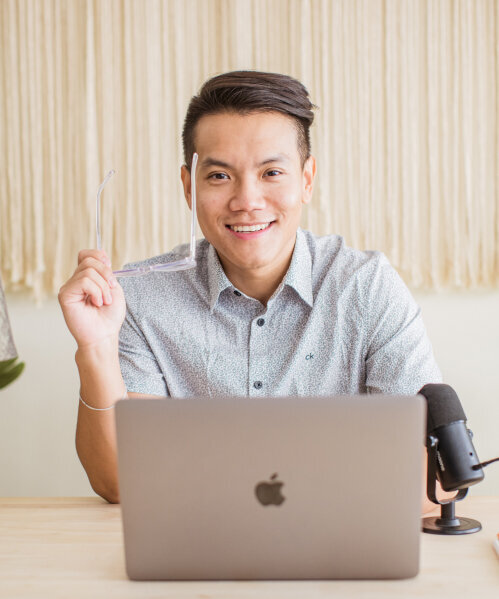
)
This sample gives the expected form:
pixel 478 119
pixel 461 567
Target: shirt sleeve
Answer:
pixel 399 356
pixel 139 367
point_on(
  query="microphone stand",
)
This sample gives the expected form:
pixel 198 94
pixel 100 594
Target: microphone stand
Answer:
pixel 448 523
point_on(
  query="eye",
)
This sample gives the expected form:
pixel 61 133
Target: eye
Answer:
pixel 218 176
pixel 273 172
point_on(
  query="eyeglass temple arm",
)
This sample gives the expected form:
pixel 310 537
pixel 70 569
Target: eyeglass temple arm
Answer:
pixel 97 211
pixel 193 203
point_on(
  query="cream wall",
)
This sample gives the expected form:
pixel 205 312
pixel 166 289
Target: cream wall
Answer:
pixel 37 454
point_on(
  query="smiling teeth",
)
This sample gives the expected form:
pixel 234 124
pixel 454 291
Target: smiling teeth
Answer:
pixel 249 228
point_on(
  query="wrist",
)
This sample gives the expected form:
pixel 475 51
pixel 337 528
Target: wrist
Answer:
pixel 101 383
pixel 98 353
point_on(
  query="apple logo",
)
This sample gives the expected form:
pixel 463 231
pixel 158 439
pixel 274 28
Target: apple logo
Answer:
pixel 269 493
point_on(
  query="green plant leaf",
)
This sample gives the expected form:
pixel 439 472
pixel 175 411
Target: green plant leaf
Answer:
pixel 9 371
pixel 4 365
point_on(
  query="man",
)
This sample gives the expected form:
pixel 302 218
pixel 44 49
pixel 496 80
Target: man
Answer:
pixel 269 309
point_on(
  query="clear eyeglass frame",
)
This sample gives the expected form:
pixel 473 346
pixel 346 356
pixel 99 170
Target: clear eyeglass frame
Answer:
pixel 185 263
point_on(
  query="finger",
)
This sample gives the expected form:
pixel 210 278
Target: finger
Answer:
pixel 100 255
pixel 90 274
pixel 86 283
pixel 90 291
pixel 105 271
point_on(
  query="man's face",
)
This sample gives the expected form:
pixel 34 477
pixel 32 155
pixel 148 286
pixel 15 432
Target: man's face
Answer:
pixel 250 188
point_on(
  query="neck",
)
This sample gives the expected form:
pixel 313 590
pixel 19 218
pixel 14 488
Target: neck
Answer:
pixel 258 283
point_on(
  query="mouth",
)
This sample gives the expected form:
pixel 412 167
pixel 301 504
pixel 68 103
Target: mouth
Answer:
pixel 248 228
pixel 249 231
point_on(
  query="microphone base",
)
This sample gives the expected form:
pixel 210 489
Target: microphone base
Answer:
pixel 449 523
pixel 451 526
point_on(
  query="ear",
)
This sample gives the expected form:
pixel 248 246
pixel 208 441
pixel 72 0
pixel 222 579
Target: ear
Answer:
pixel 308 177
pixel 185 175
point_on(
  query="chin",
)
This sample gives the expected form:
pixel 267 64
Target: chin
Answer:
pixel 252 257
pixel 252 263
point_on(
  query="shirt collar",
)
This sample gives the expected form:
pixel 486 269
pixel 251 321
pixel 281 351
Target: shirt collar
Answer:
pixel 298 276
pixel 217 279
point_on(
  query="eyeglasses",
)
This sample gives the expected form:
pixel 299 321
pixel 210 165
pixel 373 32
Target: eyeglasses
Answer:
pixel 185 263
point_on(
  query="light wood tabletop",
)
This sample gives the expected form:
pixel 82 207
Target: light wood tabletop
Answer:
pixel 73 547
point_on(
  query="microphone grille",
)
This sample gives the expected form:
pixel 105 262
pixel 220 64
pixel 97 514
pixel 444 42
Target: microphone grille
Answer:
pixel 444 406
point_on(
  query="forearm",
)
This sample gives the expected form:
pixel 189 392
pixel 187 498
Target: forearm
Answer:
pixel 101 385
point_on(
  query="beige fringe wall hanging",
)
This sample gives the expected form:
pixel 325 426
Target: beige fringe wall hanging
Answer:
pixel 406 135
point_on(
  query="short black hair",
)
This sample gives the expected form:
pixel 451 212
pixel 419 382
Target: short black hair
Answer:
pixel 246 92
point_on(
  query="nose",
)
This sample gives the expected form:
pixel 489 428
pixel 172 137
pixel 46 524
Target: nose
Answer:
pixel 247 196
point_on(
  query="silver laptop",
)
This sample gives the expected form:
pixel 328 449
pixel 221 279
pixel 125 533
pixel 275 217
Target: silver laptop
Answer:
pixel 269 489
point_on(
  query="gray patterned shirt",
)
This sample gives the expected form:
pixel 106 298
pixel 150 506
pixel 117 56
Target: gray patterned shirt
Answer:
pixel 341 322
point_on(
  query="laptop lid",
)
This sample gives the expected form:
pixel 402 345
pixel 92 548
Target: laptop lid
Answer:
pixel 276 488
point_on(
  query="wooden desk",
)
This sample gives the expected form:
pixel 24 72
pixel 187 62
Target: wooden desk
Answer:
pixel 73 547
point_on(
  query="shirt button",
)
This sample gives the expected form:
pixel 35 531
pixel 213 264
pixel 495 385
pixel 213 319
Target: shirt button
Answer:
pixel 236 292
pixel 258 384
pixel 260 322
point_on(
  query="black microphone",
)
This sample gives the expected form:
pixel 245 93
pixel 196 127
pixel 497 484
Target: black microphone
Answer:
pixel 458 466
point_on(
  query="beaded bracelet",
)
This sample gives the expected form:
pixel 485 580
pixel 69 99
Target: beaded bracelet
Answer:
pixel 100 409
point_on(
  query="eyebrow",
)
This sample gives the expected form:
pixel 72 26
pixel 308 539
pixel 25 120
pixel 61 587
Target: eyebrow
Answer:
pixel 209 161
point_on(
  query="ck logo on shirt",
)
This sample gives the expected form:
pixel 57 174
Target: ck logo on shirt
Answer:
pixel 309 356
